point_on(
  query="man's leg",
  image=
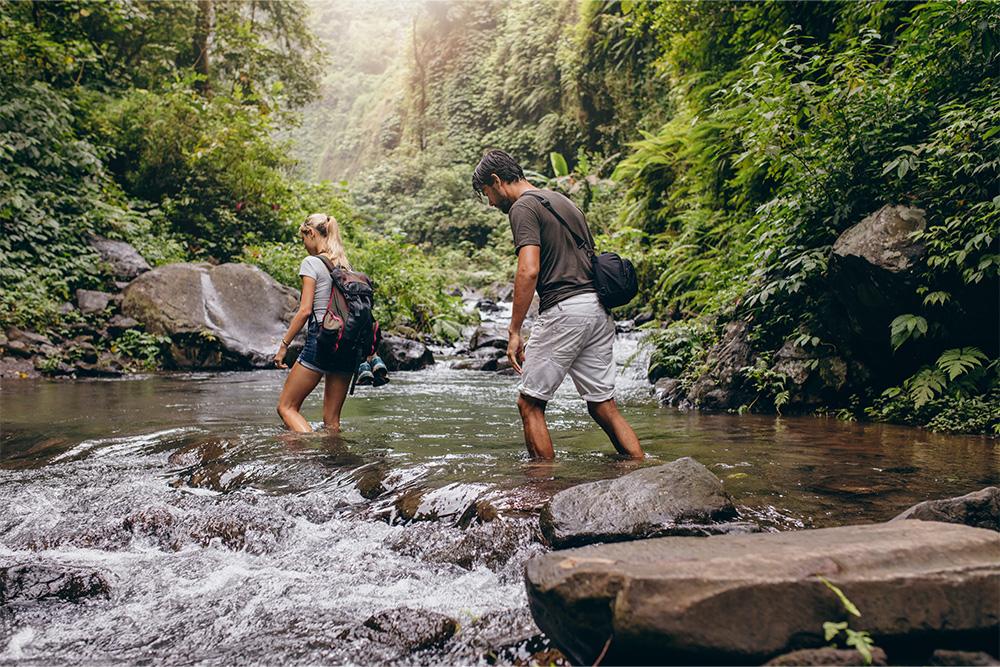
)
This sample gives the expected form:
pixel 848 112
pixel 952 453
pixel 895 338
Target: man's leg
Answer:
pixel 536 431
pixel 606 414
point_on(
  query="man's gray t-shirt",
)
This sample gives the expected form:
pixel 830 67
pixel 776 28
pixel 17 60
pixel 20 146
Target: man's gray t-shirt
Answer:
pixel 564 270
pixel 315 268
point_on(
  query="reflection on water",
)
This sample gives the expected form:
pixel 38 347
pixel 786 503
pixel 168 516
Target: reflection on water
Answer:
pixel 226 538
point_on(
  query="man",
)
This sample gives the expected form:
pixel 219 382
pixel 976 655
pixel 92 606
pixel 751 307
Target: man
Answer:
pixel 574 333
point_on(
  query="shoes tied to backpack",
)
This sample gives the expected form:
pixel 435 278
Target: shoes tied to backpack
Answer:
pixel 380 372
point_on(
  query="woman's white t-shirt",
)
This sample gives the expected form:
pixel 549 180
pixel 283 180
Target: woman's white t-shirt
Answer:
pixel 315 268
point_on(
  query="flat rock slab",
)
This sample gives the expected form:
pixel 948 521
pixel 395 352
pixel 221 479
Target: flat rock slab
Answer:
pixel 744 599
pixel 979 509
pixel 682 497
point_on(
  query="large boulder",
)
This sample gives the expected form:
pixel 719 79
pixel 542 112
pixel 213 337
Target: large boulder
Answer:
pixel 873 273
pixel 979 509
pixel 885 238
pixel 125 261
pixel 723 386
pixel 679 498
pixel 225 316
pixel 403 354
pixel 744 599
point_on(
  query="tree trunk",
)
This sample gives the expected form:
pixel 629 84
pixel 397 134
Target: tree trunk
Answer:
pixel 202 35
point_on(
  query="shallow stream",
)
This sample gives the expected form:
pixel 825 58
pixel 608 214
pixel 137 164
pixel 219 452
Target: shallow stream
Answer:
pixel 225 539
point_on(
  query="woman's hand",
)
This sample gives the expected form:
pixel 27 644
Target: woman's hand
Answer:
pixel 279 357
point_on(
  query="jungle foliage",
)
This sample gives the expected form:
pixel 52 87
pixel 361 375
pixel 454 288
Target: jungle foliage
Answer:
pixel 741 139
pixel 159 123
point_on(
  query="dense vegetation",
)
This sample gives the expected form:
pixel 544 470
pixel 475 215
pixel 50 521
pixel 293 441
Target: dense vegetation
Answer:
pixel 723 146
pixel 726 146
pixel 156 123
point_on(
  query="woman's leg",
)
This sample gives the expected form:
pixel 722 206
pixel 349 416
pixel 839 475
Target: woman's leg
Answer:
pixel 334 395
pixel 298 384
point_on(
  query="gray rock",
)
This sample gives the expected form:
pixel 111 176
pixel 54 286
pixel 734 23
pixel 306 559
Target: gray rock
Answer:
pixel 883 239
pixel 119 324
pixel 404 630
pixel 979 509
pixel 31 338
pixel 508 637
pixel 813 378
pixel 17 368
pixel 489 335
pixel 18 348
pixel 682 497
pixel 66 308
pixel 743 599
pixel 668 391
pixel 124 260
pixel 723 385
pixel 42 582
pixel 946 658
pixel 92 301
pixel 226 316
pixel 403 354
pixel 483 359
pixel 827 656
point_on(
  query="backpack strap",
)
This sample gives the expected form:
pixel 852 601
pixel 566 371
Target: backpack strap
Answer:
pixel 581 243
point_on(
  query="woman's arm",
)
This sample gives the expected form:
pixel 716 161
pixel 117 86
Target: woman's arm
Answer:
pixel 298 320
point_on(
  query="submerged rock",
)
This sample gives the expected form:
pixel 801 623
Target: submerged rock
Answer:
pixel 979 509
pixel 743 599
pixel 678 498
pixel 226 316
pixel 506 637
pixel 395 632
pixel 403 354
pixel 46 582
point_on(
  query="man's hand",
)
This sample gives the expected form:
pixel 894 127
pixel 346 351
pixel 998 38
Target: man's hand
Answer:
pixel 515 350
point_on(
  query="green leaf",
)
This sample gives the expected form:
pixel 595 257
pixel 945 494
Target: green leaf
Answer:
pixel 958 361
pixel 559 166
pixel 848 605
pixel 831 629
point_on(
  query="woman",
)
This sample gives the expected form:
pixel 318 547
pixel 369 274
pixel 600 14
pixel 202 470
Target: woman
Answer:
pixel 321 236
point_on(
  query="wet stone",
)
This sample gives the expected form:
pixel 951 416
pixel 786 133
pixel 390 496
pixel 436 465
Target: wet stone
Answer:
pixel 404 629
pixel 506 637
pixel 50 582
pixel 28 337
pixel 369 481
pixel 979 509
pixel 679 498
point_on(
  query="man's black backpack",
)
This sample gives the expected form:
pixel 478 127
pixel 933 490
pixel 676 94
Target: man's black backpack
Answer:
pixel 614 276
pixel 348 322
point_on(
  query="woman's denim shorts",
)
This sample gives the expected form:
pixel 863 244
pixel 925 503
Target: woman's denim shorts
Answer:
pixel 310 356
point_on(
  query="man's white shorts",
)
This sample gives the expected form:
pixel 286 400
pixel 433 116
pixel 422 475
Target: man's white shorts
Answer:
pixel 575 336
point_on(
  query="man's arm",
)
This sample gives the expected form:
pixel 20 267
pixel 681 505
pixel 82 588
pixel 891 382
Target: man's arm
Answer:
pixel 528 260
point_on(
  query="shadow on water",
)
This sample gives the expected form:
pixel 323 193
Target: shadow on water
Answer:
pixel 215 535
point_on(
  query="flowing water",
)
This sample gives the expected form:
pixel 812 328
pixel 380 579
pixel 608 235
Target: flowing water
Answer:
pixel 222 538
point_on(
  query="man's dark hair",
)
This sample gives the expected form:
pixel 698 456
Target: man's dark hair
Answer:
pixel 499 163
